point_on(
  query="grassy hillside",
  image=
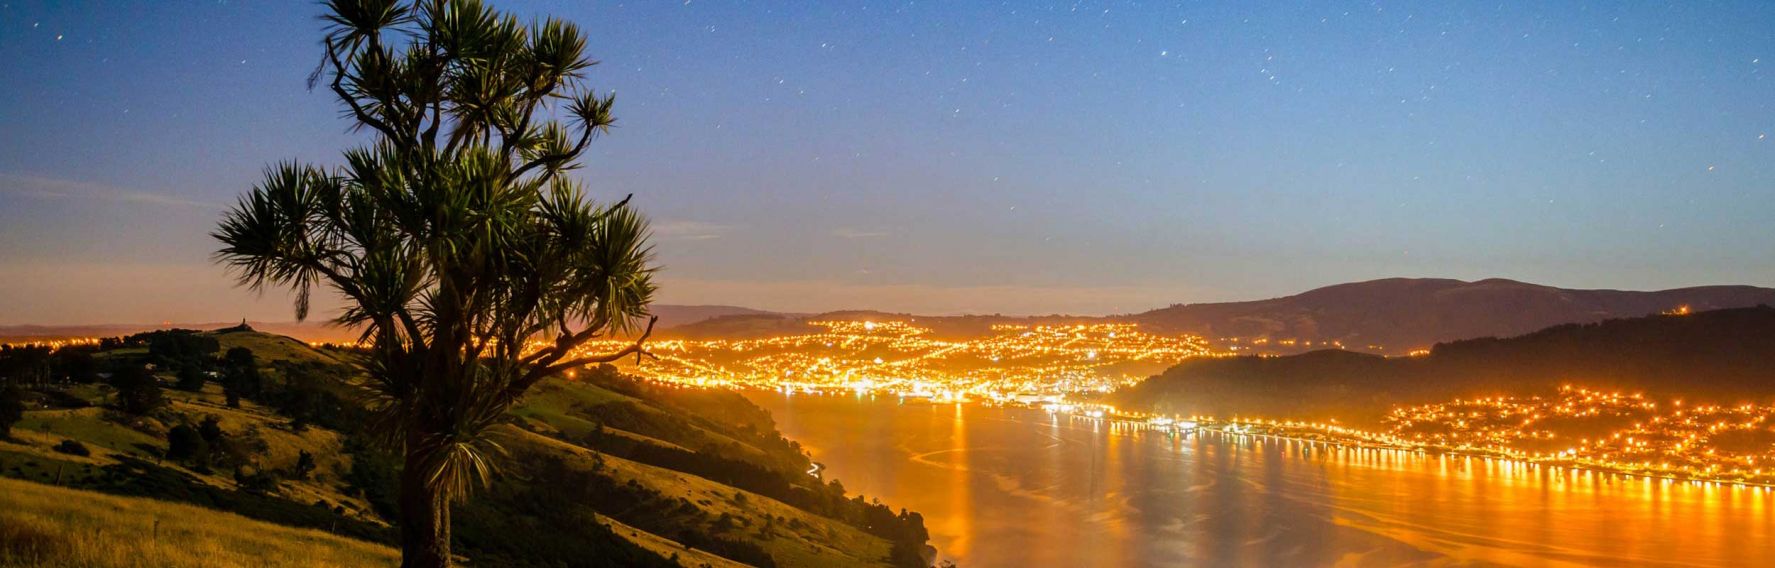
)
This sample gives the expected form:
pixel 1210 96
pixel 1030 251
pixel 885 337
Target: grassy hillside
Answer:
pixel 274 348
pixel 799 539
pixel 606 470
pixel 701 468
pixel 47 526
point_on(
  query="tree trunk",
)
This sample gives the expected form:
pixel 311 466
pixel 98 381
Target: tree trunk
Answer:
pixel 425 519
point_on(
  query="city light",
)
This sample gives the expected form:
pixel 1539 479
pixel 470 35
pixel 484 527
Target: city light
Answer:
pixel 1013 363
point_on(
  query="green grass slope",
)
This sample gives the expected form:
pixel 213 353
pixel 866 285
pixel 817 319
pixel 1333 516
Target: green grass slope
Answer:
pixel 47 526
pixel 799 539
pixel 605 471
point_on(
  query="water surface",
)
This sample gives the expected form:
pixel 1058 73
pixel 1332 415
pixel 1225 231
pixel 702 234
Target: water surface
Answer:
pixel 1022 487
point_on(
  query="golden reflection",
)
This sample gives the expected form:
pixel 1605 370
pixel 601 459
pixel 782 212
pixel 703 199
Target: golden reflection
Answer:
pixel 1109 502
pixel 960 490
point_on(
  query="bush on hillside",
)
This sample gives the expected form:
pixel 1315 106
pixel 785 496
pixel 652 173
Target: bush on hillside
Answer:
pixel 73 448
pixel 185 445
pixel 138 392
pixel 191 377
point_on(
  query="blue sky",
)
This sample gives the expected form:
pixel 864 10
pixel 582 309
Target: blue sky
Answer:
pixel 1086 157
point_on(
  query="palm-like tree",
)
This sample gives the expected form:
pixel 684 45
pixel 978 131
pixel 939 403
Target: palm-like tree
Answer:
pixel 472 265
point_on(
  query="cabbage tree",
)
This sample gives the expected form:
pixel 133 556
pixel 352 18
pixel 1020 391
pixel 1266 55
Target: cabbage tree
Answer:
pixel 471 261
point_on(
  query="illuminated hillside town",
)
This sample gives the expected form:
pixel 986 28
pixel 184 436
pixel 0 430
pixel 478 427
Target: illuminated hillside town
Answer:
pixel 1065 370
pixel 1014 363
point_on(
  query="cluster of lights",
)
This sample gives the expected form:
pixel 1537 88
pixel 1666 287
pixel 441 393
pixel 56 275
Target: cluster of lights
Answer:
pixel 54 343
pixel 1048 366
pixel 1580 428
pixel 1262 344
pixel 1603 430
pixel 1023 363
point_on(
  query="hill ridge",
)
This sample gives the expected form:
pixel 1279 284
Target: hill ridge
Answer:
pixel 1724 355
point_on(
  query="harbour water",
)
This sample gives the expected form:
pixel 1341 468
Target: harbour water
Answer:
pixel 1022 487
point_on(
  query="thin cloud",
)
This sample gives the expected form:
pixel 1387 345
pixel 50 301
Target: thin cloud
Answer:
pixel 853 233
pixel 52 188
pixel 686 230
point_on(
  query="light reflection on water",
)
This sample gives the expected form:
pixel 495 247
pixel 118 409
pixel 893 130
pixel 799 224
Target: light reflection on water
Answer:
pixel 1021 487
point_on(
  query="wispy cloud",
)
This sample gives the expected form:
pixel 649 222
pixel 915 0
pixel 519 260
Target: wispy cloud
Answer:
pixel 686 230
pixel 854 233
pixel 52 188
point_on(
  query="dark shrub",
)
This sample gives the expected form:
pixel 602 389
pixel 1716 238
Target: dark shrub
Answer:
pixel 184 444
pixel 137 391
pixel 73 448
pixel 12 409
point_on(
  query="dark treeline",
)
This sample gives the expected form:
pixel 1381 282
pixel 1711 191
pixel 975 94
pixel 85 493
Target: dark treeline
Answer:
pixel 1724 355
pixel 191 355
pixel 34 365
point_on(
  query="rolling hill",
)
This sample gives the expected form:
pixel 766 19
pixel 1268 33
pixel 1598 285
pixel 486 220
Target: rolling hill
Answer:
pixel 606 470
pixel 1398 315
pixel 1389 316
pixel 1726 356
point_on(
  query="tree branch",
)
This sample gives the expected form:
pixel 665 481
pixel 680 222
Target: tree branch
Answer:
pixel 356 109
pixel 541 370
pixel 585 139
pixel 350 288
pixel 566 342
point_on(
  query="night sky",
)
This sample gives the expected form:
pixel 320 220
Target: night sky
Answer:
pixel 942 157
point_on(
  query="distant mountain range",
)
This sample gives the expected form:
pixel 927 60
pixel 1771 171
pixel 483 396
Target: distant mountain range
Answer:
pixel 1398 315
pixel 1389 316
pixel 1726 356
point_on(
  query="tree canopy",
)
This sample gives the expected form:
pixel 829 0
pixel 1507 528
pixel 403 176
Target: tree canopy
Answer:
pixel 473 264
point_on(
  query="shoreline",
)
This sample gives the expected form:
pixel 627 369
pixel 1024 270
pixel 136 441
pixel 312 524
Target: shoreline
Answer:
pixel 1348 438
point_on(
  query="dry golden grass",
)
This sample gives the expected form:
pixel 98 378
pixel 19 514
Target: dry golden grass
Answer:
pixel 818 542
pixel 668 548
pixel 42 525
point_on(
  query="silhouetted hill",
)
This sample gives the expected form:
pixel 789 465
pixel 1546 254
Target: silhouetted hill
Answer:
pixel 1388 316
pixel 1724 355
pixel 741 326
pixel 670 316
pixel 1397 315
pixel 313 330
pixel 1394 315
